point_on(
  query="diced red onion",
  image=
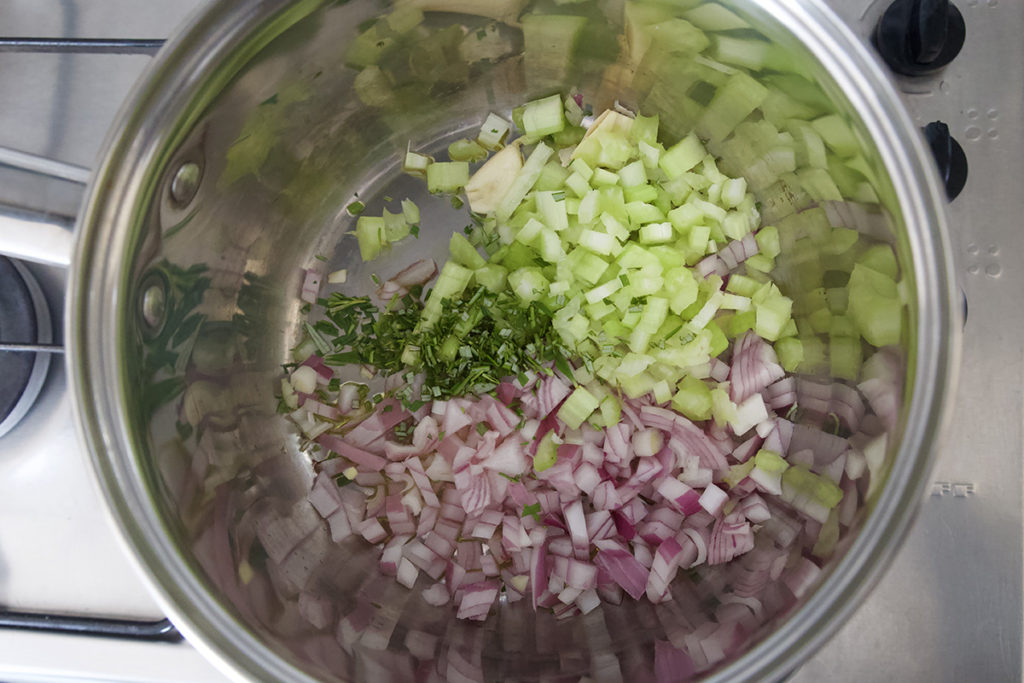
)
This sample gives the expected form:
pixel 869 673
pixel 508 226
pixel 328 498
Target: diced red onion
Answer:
pixel 713 499
pixel 436 595
pixel 622 567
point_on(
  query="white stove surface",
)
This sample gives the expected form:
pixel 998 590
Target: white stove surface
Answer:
pixel 949 609
pixel 59 551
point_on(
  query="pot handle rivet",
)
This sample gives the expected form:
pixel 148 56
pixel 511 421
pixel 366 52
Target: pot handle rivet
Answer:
pixel 185 183
pixel 153 305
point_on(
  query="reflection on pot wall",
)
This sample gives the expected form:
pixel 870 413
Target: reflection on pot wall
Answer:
pixel 321 118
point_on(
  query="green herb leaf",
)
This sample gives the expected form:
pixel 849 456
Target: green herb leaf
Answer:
pixel 532 511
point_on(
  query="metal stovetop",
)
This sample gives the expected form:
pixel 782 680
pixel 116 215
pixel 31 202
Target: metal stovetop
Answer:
pixel 950 607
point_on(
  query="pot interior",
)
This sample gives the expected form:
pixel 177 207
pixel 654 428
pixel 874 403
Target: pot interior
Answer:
pixel 304 109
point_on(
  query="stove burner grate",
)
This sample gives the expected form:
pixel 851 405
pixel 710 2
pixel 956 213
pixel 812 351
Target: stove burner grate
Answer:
pixel 25 326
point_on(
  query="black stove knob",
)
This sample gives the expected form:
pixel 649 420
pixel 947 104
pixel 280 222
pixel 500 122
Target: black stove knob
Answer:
pixel 949 156
pixel 917 37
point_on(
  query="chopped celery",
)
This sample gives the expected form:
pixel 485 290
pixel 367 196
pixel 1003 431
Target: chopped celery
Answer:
pixel 770 461
pixel 603 178
pixel 772 315
pixel 552 210
pixel 693 398
pixel 662 392
pixel 416 164
pixel 395 226
pixel 493 131
pixel 590 205
pixel 370 234
pixel 581 168
pixel 722 409
pixel 578 184
pixel 736 225
pixel 643 193
pixel 599 243
pixel 641 212
pixel 543 117
pixel 577 408
pixel 768 241
pixel 637 385
pixel 529 284
pixel 523 181
pixel 410 212
pixel 491 276
pixel 611 410
pixel 547 452
pixel 602 292
pixel 790 351
pixel 529 231
pixel 466 150
pixel 568 136
pixel 742 285
pixel 645 130
pixel 656 233
pixel 682 156
pixel 719 342
pixel 633 175
pixel 464 253
pixel 447 176
pixel 550 246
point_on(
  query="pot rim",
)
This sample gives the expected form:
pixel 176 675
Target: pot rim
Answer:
pixel 210 45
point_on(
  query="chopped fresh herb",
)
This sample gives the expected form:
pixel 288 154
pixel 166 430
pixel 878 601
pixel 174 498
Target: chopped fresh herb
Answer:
pixel 321 344
pixel 532 511
pixel 481 428
pixel 320 258
pixel 477 341
pixel 457 203
pixel 355 208
pixel 510 478
pixel 414 230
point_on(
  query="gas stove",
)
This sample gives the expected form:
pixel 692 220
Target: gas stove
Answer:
pixel 72 603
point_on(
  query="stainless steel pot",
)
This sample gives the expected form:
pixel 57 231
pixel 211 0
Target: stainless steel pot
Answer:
pixel 229 171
